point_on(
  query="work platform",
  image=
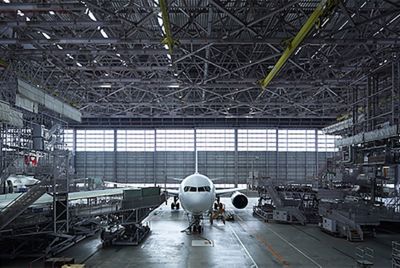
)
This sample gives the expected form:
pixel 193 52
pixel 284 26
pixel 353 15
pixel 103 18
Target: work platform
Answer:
pixel 32 233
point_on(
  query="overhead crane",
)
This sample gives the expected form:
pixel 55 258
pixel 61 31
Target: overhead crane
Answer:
pixel 323 10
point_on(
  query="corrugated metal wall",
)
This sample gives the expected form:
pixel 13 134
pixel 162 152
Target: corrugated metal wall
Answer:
pixel 146 167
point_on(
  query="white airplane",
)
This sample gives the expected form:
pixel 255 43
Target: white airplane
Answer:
pixel 19 183
pixel 197 194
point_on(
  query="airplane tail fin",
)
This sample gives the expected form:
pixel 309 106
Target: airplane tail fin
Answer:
pixel 196 167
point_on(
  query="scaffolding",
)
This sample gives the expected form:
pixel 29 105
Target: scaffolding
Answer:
pixel 395 254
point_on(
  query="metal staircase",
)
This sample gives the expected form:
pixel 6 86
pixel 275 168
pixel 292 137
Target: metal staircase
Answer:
pixel 354 236
pixel 296 212
pixel 355 233
pixel 8 170
pixel 22 202
pixel 273 193
pixel 52 136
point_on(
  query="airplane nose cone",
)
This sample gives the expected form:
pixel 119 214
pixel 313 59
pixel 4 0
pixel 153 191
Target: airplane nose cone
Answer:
pixel 197 204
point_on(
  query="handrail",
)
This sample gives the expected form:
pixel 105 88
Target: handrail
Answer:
pixel 12 202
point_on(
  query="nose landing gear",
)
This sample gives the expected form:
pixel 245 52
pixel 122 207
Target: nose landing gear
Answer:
pixel 175 204
pixel 195 226
pixel 197 229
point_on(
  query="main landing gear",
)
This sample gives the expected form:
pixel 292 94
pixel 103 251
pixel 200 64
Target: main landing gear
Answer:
pixel 217 203
pixel 218 213
pixel 175 204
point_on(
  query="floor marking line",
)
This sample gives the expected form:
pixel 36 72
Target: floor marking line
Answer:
pixel 272 251
pixel 237 216
pixel 277 256
pixel 245 249
pixel 293 246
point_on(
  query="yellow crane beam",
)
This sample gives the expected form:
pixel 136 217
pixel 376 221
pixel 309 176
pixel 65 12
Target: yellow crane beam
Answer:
pixel 323 9
pixel 3 63
pixel 168 40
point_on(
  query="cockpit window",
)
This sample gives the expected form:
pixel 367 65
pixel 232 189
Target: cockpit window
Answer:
pixel 189 189
pixel 204 189
pixel 194 189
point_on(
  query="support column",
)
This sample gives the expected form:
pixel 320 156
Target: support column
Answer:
pixel 115 174
pixel 155 160
pixel 277 154
pixel 316 153
pixel 74 147
pixel 396 179
pixel 236 159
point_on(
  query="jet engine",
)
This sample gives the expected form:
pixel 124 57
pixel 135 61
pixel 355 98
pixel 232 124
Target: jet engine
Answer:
pixel 239 200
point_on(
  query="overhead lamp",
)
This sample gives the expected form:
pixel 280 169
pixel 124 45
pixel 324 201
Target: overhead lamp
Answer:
pixel 51 12
pixel 344 24
pixel 174 86
pixel 297 51
pixel 392 20
pixel 363 4
pixel 105 86
pixel 324 23
pixel 90 14
pixel 160 22
pixel 103 33
pixel 46 35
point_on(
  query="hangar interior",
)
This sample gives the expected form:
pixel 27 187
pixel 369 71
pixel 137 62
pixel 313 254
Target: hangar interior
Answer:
pixel 106 105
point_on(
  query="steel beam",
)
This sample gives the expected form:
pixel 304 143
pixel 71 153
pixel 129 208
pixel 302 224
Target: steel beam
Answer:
pixel 85 51
pixel 28 7
pixel 54 24
pixel 244 81
pixel 118 68
pixel 200 41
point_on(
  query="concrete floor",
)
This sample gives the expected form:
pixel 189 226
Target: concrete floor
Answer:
pixel 247 242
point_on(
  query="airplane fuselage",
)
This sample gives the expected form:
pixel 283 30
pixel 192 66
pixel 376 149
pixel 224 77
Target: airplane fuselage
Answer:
pixel 197 194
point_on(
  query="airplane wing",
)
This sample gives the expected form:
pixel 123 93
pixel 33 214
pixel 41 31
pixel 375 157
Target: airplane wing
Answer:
pixel 216 179
pixel 220 192
pixel 176 179
pixel 173 192
pixel 119 184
